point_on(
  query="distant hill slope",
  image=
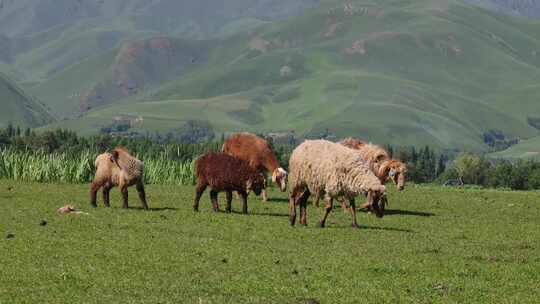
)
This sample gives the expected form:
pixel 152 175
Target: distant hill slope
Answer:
pixel 197 17
pixel 528 149
pixel 18 108
pixel 42 38
pixel 527 8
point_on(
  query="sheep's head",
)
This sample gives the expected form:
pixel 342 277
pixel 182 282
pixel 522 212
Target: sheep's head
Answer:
pixel 394 170
pixel 377 200
pixel 256 183
pixel 279 176
pixel 397 173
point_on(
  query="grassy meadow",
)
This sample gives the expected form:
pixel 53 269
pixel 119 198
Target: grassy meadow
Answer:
pixel 435 245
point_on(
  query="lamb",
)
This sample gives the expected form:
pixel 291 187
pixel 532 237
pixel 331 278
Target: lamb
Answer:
pixel 258 153
pixel 223 172
pixel 322 167
pixel 118 168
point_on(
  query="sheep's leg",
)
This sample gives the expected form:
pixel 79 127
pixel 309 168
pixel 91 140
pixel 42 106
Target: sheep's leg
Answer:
pixel 124 191
pixel 213 198
pixel 106 190
pixel 264 195
pixel 352 208
pixel 229 199
pixel 94 187
pixel 327 209
pixel 367 205
pixel 142 195
pixel 244 196
pixel 303 207
pixel 317 199
pixel 292 207
pixel 199 190
pixel 343 204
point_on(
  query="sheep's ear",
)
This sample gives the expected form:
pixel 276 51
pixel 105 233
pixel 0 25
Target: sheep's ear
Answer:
pixel 392 172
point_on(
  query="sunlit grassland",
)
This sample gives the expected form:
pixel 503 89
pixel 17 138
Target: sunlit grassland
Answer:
pixel 435 245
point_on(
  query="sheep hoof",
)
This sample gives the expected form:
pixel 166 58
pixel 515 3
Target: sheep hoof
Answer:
pixel 355 226
pixel 320 225
pixel 195 209
pixel 93 205
pixel 228 210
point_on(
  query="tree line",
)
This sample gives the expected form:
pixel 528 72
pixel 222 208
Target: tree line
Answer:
pixel 425 165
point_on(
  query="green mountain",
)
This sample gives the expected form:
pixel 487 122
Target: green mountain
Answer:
pixel 18 108
pixel 443 73
pixel 408 72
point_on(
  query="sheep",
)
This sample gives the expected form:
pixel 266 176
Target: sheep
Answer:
pixel 118 168
pixel 322 167
pixel 223 172
pixel 258 153
pixel 379 162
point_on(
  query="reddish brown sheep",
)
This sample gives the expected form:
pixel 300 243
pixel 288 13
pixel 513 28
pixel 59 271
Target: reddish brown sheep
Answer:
pixel 257 152
pixel 223 172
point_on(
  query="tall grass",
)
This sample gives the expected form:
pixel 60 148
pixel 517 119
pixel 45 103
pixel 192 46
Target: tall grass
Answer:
pixel 79 167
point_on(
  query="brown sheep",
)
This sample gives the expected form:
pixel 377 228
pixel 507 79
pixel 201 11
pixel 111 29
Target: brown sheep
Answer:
pixel 258 153
pixel 223 172
pixel 118 168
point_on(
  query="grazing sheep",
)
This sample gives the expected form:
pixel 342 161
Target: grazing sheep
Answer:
pixel 118 168
pixel 322 167
pixel 223 172
pixel 257 152
pixel 379 162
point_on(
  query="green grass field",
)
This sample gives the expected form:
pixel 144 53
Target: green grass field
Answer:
pixel 435 245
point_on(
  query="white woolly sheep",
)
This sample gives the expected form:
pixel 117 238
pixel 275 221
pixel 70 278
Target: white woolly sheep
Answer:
pixel 322 167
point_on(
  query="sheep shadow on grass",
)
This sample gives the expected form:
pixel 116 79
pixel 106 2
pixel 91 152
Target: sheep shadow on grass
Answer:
pixel 259 213
pixel 155 209
pixel 406 212
pixel 364 227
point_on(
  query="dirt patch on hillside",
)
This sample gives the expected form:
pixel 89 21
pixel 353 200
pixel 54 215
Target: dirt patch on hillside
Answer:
pixel 359 46
pixel 258 44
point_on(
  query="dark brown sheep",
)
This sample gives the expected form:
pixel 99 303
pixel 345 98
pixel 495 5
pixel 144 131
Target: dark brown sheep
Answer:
pixel 258 153
pixel 223 172
pixel 118 168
